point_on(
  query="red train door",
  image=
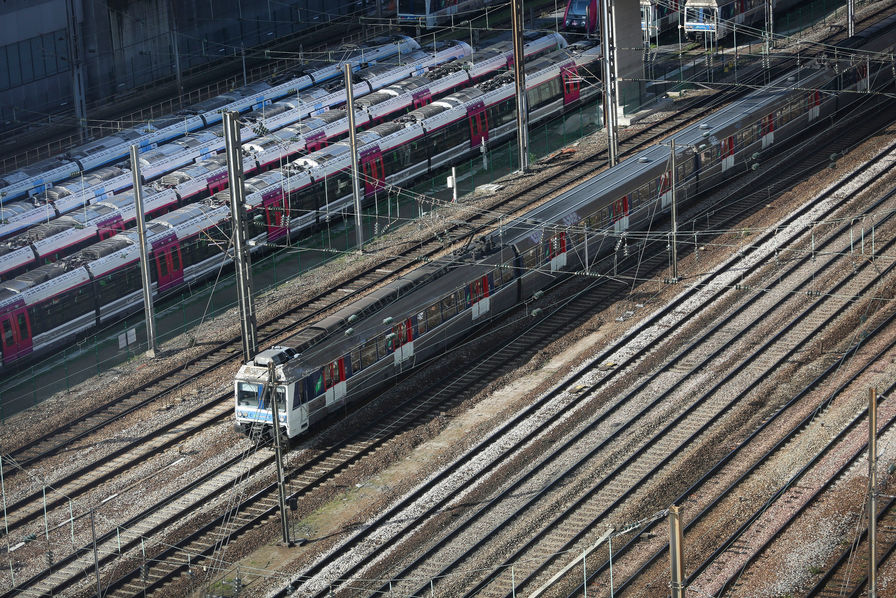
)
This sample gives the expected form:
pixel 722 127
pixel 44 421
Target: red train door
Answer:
pixel 768 130
pixel 814 104
pixel 571 83
pixel 316 141
pixel 666 189
pixel 169 264
pixel 374 172
pixel 110 228
pixel 15 328
pixel 478 123
pixel 334 380
pixel 479 294
pixel 727 153
pixel 217 183
pixel 422 97
pixel 620 214
pixel 557 251
pixel 276 213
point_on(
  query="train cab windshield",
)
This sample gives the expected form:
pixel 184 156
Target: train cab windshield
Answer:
pixel 255 395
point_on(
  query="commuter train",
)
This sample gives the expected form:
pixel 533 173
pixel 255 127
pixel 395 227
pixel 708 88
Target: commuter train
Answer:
pixel 58 238
pixel 54 303
pixel 659 16
pixel 84 188
pixel 427 14
pixel 42 175
pixel 717 18
pixel 395 328
pixel 581 16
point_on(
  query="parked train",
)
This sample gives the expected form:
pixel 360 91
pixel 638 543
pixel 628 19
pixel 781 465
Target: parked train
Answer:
pixel 54 303
pixel 717 18
pixel 58 238
pixel 402 324
pixel 427 14
pixel 659 16
pixel 581 16
pixel 84 188
pixel 42 175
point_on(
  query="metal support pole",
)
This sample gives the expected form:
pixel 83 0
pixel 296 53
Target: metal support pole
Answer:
pixel 674 215
pixel 851 17
pixel 233 149
pixel 610 546
pixel 275 430
pixel 608 46
pixel 519 75
pixel 172 26
pixel 353 140
pixel 77 68
pixel 587 258
pixel 144 254
pixel 96 560
pixel 872 493
pixel 453 184
pixel 675 558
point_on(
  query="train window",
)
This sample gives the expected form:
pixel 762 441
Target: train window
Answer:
pixel 328 376
pixel 449 307
pixel 421 323
pixel 356 359
pixel 530 259
pixel 298 397
pixel 280 395
pixel 8 335
pixel 247 394
pixel 433 316
pixel 368 353
pixel 23 326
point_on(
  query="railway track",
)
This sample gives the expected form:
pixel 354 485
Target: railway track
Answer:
pixel 733 552
pixel 459 541
pixel 221 355
pixel 536 190
pixel 380 277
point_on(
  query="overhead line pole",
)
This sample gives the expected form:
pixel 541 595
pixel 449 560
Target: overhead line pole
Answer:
pixel 353 142
pixel 674 214
pixel 872 493
pixel 519 75
pixel 233 149
pixel 144 254
pixel 608 49
pixel 278 455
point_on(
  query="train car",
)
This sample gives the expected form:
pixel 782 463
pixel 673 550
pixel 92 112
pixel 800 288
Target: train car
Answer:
pixel 93 154
pixel 716 18
pixel 426 14
pixel 581 16
pixel 187 244
pixel 54 240
pixel 657 17
pixel 352 352
pixel 88 187
pixel 207 177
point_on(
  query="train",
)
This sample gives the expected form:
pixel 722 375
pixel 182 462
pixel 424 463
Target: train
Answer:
pixel 717 18
pixel 42 175
pixel 426 14
pixel 355 350
pixel 53 304
pixel 581 16
pixel 659 16
pixel 84 188
pixel 55 239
